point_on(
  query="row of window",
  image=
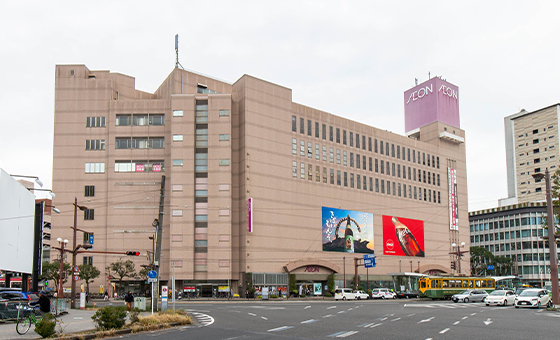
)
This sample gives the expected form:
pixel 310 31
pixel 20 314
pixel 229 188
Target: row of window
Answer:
pixel 359 161
pixel 146 142
pixel 506 223
pixel 535 131
pixel 384 148
pixel 222 113
pixel 361 182
pixel 142 119
pixel 527 245
pixel 511 235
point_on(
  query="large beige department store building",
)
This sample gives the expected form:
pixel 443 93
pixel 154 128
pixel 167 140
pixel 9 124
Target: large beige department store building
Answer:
pixel 219 145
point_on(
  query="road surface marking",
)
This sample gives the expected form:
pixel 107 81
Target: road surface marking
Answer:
pixel 365 325
pixel 397 319
pixel 383 319
pixel 342 311
pixel 411 314
pixel 473 314
pixel 327 316
pixel 465 317
pixel 426 320
pixel 331 307
pixel 203 319
pixel 252 314
pixel 280 328
pixel 344 335
pixel 377 324
pixel 443 331
pixel 262 317
pixel 487 322
pixel 335 334
pixel 456 322
pixel 309 321
pixel 307 307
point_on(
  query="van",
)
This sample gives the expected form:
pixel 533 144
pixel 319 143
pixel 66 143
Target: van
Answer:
pixel 344 294
pixel 382 293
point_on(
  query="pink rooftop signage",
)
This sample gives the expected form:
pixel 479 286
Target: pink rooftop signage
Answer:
pixel 433 100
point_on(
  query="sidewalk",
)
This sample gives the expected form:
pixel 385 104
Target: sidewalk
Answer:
pixel 76 320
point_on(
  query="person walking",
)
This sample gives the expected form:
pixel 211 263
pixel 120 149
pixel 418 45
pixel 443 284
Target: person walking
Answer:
pixel 129 299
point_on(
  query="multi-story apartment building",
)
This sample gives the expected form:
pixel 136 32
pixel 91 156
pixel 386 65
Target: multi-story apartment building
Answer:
pixel 255 183
pixel 515 231
pixel 531 147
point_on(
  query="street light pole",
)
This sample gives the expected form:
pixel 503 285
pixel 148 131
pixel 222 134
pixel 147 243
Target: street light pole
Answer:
pixel 74 251
pixel 61 271
pixel 458 253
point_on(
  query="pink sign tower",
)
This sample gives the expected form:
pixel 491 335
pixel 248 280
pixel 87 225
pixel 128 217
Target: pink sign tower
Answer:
pixel 433 100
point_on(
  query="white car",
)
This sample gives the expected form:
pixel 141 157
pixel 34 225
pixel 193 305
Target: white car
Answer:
pixel 533 298
pixel 344 294
pixel 500 297
pixel 383 293
pixel 360 294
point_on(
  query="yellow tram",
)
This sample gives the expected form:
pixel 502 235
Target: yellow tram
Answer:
pixel 442 287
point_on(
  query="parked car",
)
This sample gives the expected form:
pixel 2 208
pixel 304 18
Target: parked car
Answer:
pixel 470 296
pixel 407 294
pixel 383 293
pixel 14 295
pixel 361 295
pixel 344 294
pixel 500 297
pixel 533 298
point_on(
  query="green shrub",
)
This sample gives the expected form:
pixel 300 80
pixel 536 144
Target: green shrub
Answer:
pixel 327 294
pixel 45 327
pixel 110 317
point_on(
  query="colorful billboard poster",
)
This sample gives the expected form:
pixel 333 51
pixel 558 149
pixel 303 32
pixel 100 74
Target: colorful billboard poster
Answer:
pixel 403 236
pixel 347 231
pixel 317 289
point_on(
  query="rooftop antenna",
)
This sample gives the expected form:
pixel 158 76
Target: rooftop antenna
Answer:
pixel 416 81
pixel 177 63
pixel 429 77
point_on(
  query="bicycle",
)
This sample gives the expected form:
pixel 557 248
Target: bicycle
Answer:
pixel 24 323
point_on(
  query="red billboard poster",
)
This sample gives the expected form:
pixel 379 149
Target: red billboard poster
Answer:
pixel 403 236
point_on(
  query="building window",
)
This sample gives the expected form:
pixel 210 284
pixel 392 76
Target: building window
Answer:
pixel 302 171
pixel 337 135
pixel 94 122
pixel 377 185
pixel 382 166
pixel 338 156
pixel 309 128
pixel 358 161
pixel 177 113
pixel 316 129
pixel 294 124
pixel 177 162
pixel 351 138
pixel 345 158
pixel 89 191
pixel 95 168
pixel 364 142
pixel 309 150
pixel 357 141
pixel 88 260
pixel 95 144
pixel 351 180
pixel 139 166
pixel 331 137
pixel 301 125
pixel 388 188
pixel 294 169
pixel 344 137
pixel 224 113
pixel 376 165
pixel 345 179
pixel 317 152
pixel 324 131
pixel 224 137
pixel 382 186
pixel 332 155
pixel 375 145
pixel 224 162
pixel 139 143
pixel 369 144
pixel 177 138
pixel 88 214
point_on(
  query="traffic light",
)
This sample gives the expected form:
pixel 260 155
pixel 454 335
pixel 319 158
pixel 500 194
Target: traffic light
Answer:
pixel 452 264
pixel 133 253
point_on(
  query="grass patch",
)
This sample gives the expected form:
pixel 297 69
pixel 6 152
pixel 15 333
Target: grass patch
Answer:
pixel 179 317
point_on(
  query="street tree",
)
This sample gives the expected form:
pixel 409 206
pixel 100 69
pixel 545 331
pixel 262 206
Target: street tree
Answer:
pixel 480 258
pixel 121 270
pixel 555 188
pixel 51 271
pixel 88 273
pixel 503 265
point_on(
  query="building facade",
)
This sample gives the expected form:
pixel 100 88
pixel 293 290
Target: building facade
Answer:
pixel 255 183
pixel 516 232
pixel 531 147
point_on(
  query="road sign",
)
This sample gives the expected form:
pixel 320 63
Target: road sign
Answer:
pixel 152 279
pixel 76 277
pixel 91 239
pixel 490 267
pixel 369 260
pixel 152 274
pixel 77 269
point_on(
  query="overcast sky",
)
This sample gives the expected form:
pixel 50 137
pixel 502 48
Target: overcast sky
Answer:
pixel 336 56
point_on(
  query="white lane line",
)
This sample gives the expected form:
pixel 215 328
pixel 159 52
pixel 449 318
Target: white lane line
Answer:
pixel 487 322
pixel 383 319
pixel 465 317
pixel 377 324
pixel 344 335
pixel 397 319
pixel 411 314
pixel 342 311
pixel 327 316
pixel 443 331
pixel 473 314
pixel 365 325
pixel 456 323
pixel 262 317
pixel 350 308
pixel 309 321
pixel 335 334
pixel 280 329
pixel 307 307
pixel 331 307
pixel 426 320
pixel 429 339
pixel 252 314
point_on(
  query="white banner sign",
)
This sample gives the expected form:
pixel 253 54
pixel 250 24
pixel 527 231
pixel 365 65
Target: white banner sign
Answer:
pixel 453 201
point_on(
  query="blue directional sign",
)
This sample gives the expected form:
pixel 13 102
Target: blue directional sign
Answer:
pixel 490 267
pixel 369 260
pixel 152 274
pixel 91 239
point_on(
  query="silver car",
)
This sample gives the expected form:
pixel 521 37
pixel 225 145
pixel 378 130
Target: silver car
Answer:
pixel 470 296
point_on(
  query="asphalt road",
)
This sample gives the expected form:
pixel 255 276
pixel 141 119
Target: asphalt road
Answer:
pixel 380 319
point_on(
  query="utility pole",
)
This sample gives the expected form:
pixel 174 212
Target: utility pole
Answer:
pixel 75 250
pixel 158 224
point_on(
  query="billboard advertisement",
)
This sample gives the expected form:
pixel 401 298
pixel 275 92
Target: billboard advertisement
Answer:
pixel 347 231
pixel 403 236
pixel 453 204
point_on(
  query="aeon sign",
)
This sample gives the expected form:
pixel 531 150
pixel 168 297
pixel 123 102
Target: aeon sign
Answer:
pixel 431 101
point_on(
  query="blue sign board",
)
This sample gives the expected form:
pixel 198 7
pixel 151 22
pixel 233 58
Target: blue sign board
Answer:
pixel 91 239
pixel 490 267
pixel 369 260
pixel 152 274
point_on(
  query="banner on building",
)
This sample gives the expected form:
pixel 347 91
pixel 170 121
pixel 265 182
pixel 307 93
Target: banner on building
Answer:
pixel 453 199
pixel 403 236
pixel 347 231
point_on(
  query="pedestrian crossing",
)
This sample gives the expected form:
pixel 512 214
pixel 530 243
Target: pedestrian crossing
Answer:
pixel 442 305
pixel 202 319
